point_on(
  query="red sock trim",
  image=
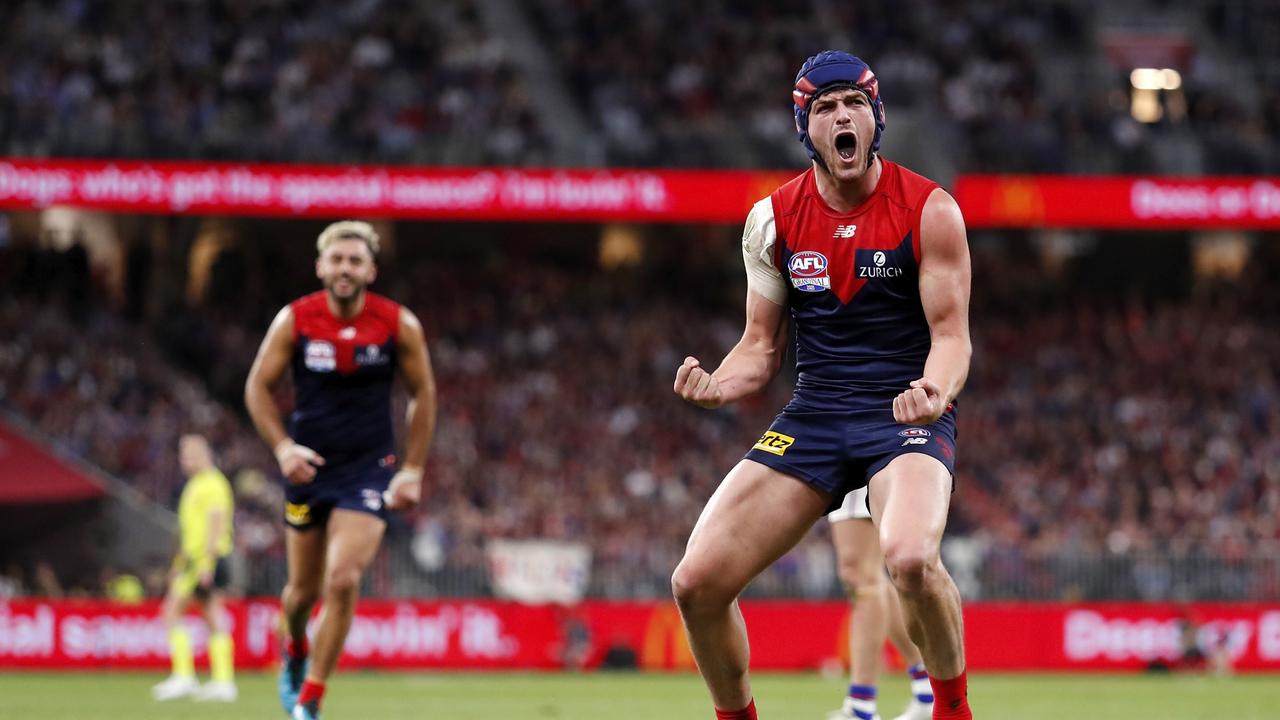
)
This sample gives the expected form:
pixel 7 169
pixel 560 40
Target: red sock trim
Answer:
pixel 311 691
pixel 746 713
pixel 296 648
pixel 951 698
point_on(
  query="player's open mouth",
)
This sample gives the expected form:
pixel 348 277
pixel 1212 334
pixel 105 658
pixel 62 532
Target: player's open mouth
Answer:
pixel 846 144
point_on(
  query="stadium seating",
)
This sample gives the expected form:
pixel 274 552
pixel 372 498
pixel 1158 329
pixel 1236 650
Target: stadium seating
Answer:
pixel 1103 442
pixel 1003 86
pixel 395 81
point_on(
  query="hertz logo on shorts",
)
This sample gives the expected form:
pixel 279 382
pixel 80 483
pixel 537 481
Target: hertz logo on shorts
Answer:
pixel 774 442
pixel 297 514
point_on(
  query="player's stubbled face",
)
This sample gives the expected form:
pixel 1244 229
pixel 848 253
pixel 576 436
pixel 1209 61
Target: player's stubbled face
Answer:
pixel 346 268
pixel 841 127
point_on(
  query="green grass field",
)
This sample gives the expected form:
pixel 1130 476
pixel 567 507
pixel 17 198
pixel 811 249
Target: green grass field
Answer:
pixel 362 696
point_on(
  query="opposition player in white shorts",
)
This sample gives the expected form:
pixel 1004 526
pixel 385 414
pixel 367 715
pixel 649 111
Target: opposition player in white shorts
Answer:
pixel 876 614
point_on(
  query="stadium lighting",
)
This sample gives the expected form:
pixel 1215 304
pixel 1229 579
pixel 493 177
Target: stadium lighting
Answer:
pixel 1145 107
pixel 1147 84
pixel 621 245
pixel 1145 79
pixel 1155 79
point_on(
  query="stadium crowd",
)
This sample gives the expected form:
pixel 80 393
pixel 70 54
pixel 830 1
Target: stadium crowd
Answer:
pixel 1118 423
pixel 1101 425
pixel 1123 424
pixel 373 81
pixel 1000 85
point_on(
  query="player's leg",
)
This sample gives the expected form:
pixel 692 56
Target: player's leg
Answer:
pixel 909 501
pixel 222 685
pixel 753 518
pixel 921 704
pixel 353 539
pixel 182 678
pixel 305 556
pixel 861 570
pixel 896 626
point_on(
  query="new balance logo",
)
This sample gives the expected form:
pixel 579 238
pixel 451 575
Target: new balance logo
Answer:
pixel 844 231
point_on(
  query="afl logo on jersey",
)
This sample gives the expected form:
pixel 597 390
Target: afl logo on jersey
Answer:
pixel 320 356
pixel 809 271
pixel 913 432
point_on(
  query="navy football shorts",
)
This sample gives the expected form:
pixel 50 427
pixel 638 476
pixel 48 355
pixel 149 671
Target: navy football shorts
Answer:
pixel 355 485
pixel 838 452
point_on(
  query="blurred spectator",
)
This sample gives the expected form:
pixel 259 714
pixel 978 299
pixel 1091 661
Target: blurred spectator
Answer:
pixel 1118 437
pixel 122 587
pixel 992 85
pixel 107 395
pixel 1201 647
pixel 1008 86
pixel 1087 407
pixel 45 581
pixel 156 580
pixel 378 80
pixel 11 583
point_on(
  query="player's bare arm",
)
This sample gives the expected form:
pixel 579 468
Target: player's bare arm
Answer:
pixel 944 294
pixel 758 356
pixel 414 362
pixel 297 463
pixel 748 367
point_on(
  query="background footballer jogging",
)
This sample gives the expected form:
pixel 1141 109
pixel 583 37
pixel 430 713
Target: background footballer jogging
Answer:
pixel 344 346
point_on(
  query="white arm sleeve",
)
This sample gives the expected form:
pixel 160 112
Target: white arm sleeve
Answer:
pixel 758 238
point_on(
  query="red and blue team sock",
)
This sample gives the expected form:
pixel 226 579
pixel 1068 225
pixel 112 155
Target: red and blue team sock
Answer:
pixel 920 688
pixel 951 698
pixel 746 713
pixel 311 695
pixel 862 701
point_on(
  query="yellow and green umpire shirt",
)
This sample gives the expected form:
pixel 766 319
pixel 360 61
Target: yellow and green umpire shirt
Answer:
pixel 207 490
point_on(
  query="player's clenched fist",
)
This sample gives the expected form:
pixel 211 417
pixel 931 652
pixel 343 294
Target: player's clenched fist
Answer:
pixel 697 385
pixel 405 489
pixel 298 463
pixel 920 404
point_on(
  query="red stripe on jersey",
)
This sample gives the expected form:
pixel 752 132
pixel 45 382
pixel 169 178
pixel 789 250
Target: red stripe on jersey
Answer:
pixel 888 216
pixel 377 323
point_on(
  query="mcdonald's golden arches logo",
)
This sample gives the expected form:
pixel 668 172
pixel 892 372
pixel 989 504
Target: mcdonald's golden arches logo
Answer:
pixel 665 645
pixel 1017 201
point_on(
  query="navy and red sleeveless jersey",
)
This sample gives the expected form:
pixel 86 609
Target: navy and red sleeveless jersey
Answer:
pixel 342 374
pixel 853 287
